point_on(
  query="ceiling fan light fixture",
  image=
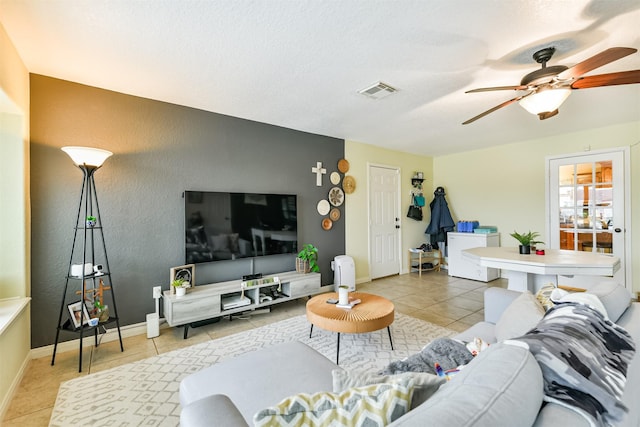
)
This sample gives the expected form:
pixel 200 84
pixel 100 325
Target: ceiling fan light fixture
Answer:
pixel 545 101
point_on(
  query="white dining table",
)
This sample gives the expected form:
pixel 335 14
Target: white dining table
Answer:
pixel 532 271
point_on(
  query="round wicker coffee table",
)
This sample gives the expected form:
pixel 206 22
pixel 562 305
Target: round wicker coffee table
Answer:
pixel 372 314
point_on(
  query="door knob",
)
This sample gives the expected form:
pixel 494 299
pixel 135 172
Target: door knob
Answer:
pixel 617 230
pixel 397 226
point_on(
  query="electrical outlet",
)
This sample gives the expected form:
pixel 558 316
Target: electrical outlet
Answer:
pixel 157 291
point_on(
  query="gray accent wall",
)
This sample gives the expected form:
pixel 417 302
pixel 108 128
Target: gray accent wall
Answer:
pixel 160 150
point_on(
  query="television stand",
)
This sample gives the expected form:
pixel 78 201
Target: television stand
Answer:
pixel 198 324
pixel 206 302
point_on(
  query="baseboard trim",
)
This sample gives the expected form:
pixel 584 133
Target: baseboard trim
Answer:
pixel 4 405
pixel 360 280
pixel 111 335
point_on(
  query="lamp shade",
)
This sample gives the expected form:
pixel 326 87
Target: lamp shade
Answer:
pixel 545 101
pixel 87 156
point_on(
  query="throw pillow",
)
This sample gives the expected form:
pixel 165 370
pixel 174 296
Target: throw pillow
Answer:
pixel 557 294
pixel 544 296
pixel 234 243
pixel 220 243
pixel 615 297
pixel 374 405
pixel 425 385
pixel 522 315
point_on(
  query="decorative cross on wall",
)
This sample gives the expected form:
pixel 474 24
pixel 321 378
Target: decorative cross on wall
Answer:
pixel 319 171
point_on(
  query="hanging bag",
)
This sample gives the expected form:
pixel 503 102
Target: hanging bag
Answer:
pixel 418 200
pixel 415 212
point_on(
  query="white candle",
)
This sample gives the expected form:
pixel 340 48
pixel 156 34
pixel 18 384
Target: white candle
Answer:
pixel 343 295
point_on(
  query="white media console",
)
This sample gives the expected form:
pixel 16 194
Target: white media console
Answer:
pixel 205 302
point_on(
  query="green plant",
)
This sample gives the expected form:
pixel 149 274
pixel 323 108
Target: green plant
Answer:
pixel 527 239
pixel 310 253
pixel 177 283
pixel 97 304
pixel 91 218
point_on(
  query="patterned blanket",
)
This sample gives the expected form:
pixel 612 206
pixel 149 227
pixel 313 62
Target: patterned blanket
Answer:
pixel 584 359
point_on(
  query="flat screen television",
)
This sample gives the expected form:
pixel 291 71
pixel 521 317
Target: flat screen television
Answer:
pixel 226 226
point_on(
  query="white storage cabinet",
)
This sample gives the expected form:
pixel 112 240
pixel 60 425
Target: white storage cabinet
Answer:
pixel 460 265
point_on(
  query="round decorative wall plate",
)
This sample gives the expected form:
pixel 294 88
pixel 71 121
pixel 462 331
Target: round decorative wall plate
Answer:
pixel 349 184
pixel 327 224
pixel 334 214
pixel 343 165
pixel 323 207
pixel 335 178
pixel 336 196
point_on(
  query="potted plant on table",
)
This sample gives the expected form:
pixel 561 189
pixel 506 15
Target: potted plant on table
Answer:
pixel 307 259
pixel 102 311
pixel 180 285
pixel 91 221
pixel 526 240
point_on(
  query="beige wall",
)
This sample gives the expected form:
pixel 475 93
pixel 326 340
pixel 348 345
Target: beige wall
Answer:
pixel 14 215
pixel 505 185
pixel 14 131
pixel 356 227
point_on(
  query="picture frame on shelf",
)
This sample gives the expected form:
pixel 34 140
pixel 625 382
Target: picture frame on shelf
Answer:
pixel 186 272
pixel 76 311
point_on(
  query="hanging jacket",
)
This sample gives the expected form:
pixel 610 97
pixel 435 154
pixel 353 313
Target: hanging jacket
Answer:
pixel 441 220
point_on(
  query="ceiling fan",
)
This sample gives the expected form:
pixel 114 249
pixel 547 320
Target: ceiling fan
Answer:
pixel 550 86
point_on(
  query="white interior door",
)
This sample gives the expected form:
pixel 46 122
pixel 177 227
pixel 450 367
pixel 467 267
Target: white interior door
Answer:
pixel 384 221
pixel 588 208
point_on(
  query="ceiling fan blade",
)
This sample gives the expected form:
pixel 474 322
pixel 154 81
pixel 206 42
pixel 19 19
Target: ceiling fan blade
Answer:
pixel 596 61
pixel 610 79
pixel 488 89
pixel 497 107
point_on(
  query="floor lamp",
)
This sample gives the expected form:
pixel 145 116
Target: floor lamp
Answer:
pixel 87 264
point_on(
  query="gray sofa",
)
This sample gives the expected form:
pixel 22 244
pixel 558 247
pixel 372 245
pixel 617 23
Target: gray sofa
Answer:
pixel 502 386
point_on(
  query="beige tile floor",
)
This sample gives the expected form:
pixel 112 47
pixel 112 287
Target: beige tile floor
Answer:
pixel 435 297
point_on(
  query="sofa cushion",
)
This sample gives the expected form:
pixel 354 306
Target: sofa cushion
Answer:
pixel 200 412
pixel 502 386
pixel 630 320
pixel 520 317
pixel 484 330
pixel 553 414
pixel 615 298
pixel 220 243
pixel 373 405
pixel 260 378
pixel 544 295
pixel 424 384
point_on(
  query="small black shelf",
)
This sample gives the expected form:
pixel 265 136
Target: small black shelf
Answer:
pixel 90 276
pixel 66 326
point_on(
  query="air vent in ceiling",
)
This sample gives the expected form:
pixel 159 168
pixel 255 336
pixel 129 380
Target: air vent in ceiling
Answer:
pixel 378 90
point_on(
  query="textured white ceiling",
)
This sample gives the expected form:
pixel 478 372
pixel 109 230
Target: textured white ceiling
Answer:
pixel 300 63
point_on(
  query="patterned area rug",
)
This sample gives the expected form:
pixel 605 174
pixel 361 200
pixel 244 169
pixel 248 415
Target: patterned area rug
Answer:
pixel 146 392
